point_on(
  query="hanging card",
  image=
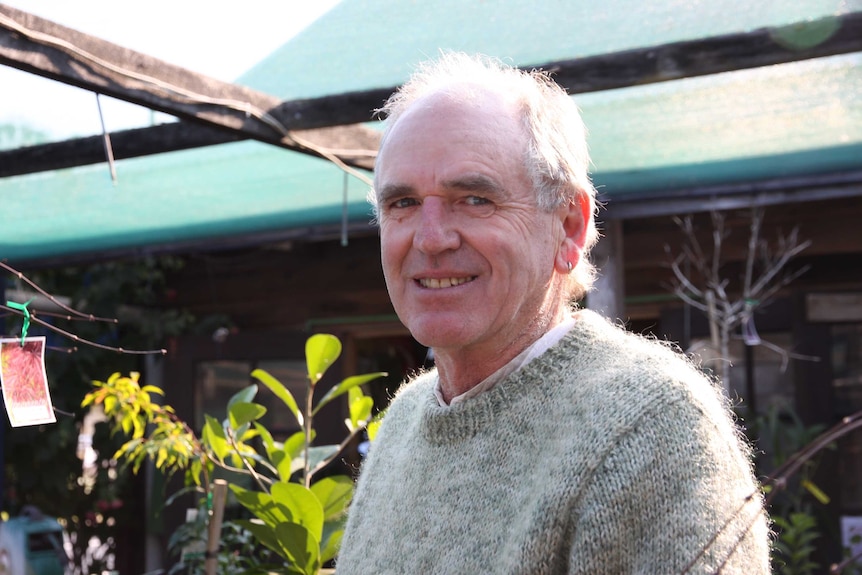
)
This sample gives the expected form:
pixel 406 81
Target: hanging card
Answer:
pixel 25 384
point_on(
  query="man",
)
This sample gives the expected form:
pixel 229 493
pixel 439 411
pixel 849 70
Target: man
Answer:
pixel 546 440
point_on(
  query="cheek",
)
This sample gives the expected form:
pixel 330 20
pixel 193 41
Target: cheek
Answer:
pixel 391 255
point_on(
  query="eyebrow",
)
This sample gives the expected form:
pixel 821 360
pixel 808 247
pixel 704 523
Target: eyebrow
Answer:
pixel 475 183
pixel 479 183
pixel 390 191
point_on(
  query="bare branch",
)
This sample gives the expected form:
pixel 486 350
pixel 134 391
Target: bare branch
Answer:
pixel 753 240
pixel 691 301
pixel 836 568
pixel 55 301
pixel 788 252
pixel 79 339
pixel 786 355
pixel 718 236
pixel 684 281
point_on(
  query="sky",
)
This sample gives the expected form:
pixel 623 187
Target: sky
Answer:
pixel 218 39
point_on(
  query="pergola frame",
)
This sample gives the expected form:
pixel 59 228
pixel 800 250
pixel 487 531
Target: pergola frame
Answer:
pixel 213 112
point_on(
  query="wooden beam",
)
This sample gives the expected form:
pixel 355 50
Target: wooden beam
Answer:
pixel 125 144
pixel 714 55
pixel 45 48
pixel 173 137
pixel 36 53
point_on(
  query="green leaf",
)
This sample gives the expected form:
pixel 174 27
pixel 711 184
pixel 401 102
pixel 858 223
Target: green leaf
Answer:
pixel 321 453
pixel 244 395
pixel 263 506
pixel 274 449
pixel 333 531
pixel 302 548
pixel 334 493
pixel 321 351
pixel 345 386
pixel 265 534
pixel 816 492
pixel 213 436
pixel 242 413
pixel 360 409
pixel 295 443
pixel 266 437
pixel 280 391
pixel 161 457
pixel 374 426
pixel 303 504
pixel 296 464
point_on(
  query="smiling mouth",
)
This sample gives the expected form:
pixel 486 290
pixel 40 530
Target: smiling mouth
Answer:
pixel 440 283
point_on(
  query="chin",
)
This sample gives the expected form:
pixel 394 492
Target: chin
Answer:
pixel 437 335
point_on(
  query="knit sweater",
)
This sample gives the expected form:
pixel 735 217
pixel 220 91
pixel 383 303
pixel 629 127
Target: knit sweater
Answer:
pixel 608 454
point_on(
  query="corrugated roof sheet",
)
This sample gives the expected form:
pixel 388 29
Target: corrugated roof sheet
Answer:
pixel 788 119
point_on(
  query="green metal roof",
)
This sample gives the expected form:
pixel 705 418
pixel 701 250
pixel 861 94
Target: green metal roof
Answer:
pixel 784 120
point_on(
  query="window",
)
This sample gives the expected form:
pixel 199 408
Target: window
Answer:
pixel 219 380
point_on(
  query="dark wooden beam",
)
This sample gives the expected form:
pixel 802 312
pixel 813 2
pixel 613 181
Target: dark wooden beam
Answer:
pixel 705 56
pixel 125 144
pixel 170 137
pixel 762 47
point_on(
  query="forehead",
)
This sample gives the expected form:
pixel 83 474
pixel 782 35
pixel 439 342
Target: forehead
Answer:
pixel 480 127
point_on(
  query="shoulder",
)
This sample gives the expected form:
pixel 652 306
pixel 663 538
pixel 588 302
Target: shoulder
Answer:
pixel 409 399
pixel 416 389
pixel 625 377
pixel 637 361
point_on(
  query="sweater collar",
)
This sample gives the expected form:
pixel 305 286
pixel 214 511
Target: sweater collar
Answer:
pixel 461 421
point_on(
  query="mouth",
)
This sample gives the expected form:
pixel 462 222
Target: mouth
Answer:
pixel 441 283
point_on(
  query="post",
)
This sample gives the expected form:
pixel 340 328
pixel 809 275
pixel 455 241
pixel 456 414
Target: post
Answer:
pixel 214 527
pixel 607 297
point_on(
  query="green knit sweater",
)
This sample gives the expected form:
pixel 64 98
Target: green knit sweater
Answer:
pixel 608 454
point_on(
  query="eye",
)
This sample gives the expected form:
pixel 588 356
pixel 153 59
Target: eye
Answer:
pixel 403 203
pixel 477 201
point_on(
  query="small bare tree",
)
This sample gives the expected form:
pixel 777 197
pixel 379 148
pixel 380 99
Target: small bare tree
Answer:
pixel 699 282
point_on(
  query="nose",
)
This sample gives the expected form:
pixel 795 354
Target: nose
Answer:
pixel 438 230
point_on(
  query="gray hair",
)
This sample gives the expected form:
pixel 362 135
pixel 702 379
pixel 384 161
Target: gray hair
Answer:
pixel 557 159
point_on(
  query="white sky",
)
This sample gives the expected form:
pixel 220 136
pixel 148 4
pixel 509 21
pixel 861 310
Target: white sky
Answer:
pixel 218 39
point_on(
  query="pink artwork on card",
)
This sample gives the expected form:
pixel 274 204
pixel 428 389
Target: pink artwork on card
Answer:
pixel 24 381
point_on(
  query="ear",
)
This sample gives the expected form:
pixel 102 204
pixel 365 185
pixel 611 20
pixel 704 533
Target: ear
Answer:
pixel 574 218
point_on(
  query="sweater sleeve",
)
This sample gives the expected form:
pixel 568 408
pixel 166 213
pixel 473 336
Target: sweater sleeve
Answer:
pixel 675 494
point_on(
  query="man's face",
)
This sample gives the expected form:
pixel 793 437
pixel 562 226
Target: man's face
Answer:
pixel 468 257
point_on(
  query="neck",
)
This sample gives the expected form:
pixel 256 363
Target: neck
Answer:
pixel 461 369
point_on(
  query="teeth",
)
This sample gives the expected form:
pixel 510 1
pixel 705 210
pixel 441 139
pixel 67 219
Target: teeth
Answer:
pixel 434 283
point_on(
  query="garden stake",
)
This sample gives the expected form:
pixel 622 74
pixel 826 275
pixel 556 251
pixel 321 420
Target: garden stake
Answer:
pixel 219 491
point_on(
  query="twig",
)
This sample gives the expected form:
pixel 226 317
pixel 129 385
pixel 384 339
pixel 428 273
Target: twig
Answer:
pixel 786 355
pixel 753 240
pixel 79 339
pixel 55 301
pixel 341 447
pixel 780 476
pixel 778 481
pixel 836 568
pixel 255 475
